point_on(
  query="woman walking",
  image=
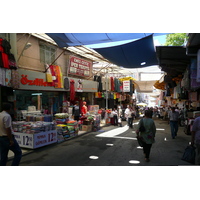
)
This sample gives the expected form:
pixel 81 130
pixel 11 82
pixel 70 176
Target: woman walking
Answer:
pixel 148 134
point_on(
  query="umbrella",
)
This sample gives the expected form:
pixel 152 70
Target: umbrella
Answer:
pixel 141 104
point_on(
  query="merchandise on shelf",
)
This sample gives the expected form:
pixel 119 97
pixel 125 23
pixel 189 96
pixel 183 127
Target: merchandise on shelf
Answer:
pixel 32 127
pixel 65 127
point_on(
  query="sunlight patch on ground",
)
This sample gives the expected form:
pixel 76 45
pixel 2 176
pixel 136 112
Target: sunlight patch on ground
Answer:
pixel 94 157
pixel 114 132
pixel 110 145
pixel 128 138
pixel 160 129
pixel 134 161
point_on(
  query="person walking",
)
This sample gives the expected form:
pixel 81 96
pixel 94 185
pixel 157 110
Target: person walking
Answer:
pixel 76 111
pixel 7 139
pixel 173 121
pixel 129 116
pixel 148 135
pixel 195 138
pixel 115 116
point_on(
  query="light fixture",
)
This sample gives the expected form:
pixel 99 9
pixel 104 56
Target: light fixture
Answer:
pixel 27 46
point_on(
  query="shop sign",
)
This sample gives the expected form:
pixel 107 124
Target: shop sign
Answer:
pixel 36 140
pixel 79 66
pixel 126 86
pixel 36 82
pixel 30 80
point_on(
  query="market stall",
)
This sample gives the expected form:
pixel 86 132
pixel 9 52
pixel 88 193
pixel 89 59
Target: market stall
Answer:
pixel 34 134
pixel 66 128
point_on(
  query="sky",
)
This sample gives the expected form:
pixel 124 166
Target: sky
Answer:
pixel 158 40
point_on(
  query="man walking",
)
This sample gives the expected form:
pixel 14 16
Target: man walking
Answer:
pixel 173 121
pixel 7 139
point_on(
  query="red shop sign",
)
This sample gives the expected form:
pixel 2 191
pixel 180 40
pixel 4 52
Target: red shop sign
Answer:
pixel 79 67
pixel 37 82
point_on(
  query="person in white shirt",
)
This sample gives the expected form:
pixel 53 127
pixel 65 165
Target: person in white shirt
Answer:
pixel 129 113
pixel 173 121
pixel 7 139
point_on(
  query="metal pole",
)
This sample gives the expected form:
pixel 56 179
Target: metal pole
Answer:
pixel 106 88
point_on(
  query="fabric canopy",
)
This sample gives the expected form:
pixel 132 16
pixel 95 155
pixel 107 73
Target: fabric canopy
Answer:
pixel 144 86
pixel 137 54
pixel 77 39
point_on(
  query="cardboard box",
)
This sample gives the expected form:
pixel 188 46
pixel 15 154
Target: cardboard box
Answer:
pixel 87 122
pixel 86 127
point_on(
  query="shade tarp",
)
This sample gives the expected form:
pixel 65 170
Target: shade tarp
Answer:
pixel 77 39
pixel 140 53
pixel 144 86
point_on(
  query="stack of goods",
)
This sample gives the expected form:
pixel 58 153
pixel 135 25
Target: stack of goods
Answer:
pixel 32 127
pixel 61 118
pixel 96 123
pixel 34 118
pixel 62 131
pixel 65 128
pixel 73 127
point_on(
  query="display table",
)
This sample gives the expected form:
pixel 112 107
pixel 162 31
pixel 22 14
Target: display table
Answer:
pixel 33 141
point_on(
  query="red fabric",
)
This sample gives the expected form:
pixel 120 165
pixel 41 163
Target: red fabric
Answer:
pixel 72 90
pixel 4 56
pixel 112 84
pixel 84 110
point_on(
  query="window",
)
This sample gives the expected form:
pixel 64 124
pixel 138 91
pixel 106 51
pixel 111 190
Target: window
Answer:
pixel 47 53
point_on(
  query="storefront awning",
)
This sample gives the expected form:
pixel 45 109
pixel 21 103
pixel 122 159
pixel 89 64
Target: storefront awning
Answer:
pixel 172 59
pixel 137 54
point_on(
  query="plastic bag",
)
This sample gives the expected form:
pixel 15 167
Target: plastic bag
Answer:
pixel 189 154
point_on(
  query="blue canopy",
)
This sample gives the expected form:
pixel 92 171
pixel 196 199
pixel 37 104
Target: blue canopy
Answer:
pixel 77 39
pixel 137 54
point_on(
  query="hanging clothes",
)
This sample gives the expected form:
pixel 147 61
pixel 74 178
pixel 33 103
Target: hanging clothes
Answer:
pixel 4 49
pixel 8 78
pixel 48 74
pixel 112 84
pixel 66 83
pixel 98 79
pixel 72 90
pixel 15 82
pixel 11 61
pixel 103 83
pixel 131 87
pixel 2 76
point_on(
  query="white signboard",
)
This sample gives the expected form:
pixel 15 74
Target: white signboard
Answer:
pixel 126 86
pixel 33 141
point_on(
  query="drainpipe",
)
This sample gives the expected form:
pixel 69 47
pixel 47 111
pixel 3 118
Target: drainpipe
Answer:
pixel 13 42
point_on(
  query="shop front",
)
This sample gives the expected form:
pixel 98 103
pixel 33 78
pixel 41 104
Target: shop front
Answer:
pixel 37 104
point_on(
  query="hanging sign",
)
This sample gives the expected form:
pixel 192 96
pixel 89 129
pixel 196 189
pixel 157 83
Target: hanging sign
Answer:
pixel 126 86
pixel 79 66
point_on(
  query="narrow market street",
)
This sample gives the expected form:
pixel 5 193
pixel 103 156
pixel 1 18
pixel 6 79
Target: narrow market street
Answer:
pixel 112 146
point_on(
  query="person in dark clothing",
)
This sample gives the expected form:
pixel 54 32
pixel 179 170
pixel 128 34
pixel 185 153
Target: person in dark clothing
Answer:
pixel 7 139
pixel 76 111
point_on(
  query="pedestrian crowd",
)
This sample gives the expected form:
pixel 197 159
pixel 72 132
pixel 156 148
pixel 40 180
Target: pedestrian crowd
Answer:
pixel 145 131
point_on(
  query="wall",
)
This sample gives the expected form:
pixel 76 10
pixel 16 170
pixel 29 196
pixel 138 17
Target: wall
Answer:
pixel 30 59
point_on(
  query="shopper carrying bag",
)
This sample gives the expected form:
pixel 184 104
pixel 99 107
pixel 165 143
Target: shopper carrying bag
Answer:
pixel 146 136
